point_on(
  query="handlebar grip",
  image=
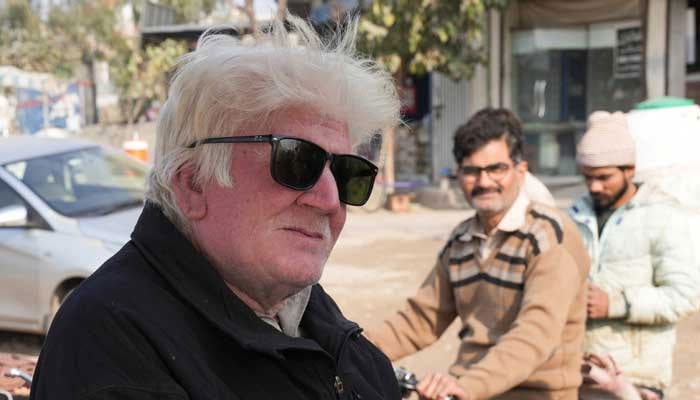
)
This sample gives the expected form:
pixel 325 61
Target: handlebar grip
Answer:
pixel 18 373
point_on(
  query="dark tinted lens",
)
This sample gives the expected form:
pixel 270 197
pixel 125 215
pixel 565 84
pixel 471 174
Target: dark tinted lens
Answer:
pixel 355 178
pixel 497 171
pixel 470 171
pixel 297 164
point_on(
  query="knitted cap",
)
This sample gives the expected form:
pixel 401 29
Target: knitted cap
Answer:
pixel 607 141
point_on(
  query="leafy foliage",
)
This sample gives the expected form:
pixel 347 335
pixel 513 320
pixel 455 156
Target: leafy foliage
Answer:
pixel 83 31
pixel 419 36
pixel 142 76
pixel 25 42
pixel 18 15
pixel 91 26
pixel 189 10
pixel 77 32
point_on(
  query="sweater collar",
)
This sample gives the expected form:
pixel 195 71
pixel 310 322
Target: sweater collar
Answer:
pixel 513 220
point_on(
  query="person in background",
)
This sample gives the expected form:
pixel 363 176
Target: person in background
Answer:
pixel 514 274
pixel 216 296
pixel 644 276
pixel 534 188
pixel 537 191
pixel 8 105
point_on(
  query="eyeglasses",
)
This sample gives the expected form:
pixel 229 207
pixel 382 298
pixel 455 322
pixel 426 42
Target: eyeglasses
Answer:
pixel 495 171
pixel 298 164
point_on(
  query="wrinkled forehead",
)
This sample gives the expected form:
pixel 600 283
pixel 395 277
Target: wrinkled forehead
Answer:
pixel 310 117
pixel 327 131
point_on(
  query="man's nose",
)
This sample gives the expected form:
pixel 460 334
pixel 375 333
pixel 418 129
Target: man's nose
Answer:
pixel 594 186
pixel 324 194
pixel 484 178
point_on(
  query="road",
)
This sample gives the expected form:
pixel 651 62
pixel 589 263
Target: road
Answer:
pixel 381 258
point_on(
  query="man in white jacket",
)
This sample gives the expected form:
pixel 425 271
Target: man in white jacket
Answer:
pixel 644 275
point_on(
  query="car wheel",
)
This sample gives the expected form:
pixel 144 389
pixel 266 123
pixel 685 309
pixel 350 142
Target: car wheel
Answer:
pixel 57 300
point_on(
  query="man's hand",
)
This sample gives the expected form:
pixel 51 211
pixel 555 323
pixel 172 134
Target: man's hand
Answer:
pixel 597 302
pixel 435 386
pixel 602 373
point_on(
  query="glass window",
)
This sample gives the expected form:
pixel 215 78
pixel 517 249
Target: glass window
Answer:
pixel 9 197
pixel 692 39
pixel 561 75
pixel 86 182
pixel 692 56
pixel 10 214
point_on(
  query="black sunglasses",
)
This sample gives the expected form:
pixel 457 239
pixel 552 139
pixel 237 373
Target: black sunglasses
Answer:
pixel 298 164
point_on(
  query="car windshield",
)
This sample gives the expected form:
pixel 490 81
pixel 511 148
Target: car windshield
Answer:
pixel 86 182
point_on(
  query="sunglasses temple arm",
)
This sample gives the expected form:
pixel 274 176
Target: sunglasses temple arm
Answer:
pixel 234 139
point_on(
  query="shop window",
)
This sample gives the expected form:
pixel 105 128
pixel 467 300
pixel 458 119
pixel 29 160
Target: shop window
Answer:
pixel 562 75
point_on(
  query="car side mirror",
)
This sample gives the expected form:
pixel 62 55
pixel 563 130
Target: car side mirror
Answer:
pixel 14 216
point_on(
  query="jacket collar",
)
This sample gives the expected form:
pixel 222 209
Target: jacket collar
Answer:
pixel 582 209
pixel 193 277
pixel 324 322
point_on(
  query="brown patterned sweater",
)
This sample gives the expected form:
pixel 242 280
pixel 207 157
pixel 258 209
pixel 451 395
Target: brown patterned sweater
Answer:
pixel 522 309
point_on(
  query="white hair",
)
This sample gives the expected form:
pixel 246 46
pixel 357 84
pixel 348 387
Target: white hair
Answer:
pixel 225 85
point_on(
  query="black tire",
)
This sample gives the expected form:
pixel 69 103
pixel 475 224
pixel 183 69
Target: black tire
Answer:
pixel 56 302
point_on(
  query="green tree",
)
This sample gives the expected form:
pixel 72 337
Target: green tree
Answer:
pixel 418 36
pixel 77 32
pixel 18 14
pixel 80 32
pixel 189 10
pixel 142 76
pixel 25 42
pixel 89 28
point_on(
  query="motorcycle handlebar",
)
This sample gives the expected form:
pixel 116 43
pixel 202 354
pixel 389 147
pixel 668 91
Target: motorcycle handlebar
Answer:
pixel 18 373
pixel 408 382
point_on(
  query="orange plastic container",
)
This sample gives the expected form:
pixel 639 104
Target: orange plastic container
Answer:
pixel 136 148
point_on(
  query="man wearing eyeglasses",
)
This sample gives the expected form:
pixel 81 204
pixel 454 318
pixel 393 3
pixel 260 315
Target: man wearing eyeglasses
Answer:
pixel 644 276
pixel 216 294
pixel 514 274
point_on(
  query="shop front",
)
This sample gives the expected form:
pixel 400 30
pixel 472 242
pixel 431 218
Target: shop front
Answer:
pixel 554 62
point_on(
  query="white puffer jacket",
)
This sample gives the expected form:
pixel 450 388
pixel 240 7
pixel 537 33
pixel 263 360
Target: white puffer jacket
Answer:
pixel 646 261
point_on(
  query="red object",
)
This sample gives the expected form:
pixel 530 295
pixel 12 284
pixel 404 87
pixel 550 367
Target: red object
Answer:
pixel 407 95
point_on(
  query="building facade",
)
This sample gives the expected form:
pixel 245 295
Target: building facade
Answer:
pixel 555 61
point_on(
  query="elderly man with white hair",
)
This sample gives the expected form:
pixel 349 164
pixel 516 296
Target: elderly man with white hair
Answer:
pixel 216 296
pixel 644 276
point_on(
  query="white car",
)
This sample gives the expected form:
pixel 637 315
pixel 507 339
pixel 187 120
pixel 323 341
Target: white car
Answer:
pixel 66 206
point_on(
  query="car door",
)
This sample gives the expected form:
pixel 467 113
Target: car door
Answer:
pixel 19 266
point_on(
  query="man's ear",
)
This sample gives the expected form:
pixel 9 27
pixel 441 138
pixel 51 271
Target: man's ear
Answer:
pixel 522 166
pixel 629 172
pixel 189 196
pixel 521 169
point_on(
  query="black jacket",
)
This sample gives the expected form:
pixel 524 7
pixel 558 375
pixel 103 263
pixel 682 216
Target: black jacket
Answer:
pixel 156 321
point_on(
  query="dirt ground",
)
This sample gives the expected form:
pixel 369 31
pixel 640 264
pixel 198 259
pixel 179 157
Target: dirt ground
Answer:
pixel 381 258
